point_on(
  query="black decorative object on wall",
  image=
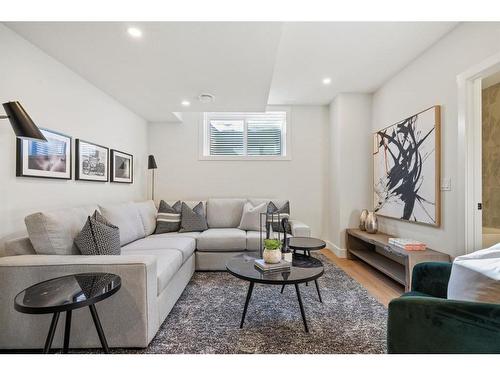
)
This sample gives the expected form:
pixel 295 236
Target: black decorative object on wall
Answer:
pixel 45 159
pixel 91 161
pixel 21 122
pixel 122 167
pixel 407 169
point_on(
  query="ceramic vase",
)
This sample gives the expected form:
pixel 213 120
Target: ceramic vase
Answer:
pixel 362 219
pixel 271 256
pixel 371 223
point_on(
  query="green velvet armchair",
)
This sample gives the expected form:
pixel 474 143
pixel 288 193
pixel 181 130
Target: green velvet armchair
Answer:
pixel 424 321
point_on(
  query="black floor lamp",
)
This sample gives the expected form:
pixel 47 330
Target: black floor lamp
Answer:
pixel 152 165
pixel 21 122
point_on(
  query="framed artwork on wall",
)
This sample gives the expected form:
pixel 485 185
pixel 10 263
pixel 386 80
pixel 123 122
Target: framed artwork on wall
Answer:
pixel 407 169
pixel 51 159
pixel 91 161
pixel 122 167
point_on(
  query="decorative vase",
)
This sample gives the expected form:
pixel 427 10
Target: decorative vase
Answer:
pixel 371 223
pixel 272 256
pixel 362 219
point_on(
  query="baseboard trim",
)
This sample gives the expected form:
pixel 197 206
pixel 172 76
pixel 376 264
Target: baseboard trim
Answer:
pixel 341 253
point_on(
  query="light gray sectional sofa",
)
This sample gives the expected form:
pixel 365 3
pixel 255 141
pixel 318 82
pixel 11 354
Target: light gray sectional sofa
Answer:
pixel 154 268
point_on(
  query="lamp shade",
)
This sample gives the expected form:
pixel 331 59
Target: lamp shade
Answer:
pixel 21 122
pixel 152 162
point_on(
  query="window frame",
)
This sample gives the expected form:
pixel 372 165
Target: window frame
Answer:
pixel 204 140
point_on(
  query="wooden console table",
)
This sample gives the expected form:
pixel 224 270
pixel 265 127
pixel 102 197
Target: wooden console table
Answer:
pixel 393 261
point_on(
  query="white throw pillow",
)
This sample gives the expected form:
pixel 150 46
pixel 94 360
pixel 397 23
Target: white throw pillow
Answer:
pixel 250 220
pixel 476 276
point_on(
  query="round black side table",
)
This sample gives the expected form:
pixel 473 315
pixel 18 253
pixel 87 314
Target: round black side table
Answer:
pixel 306 244
pixel 303 269
pixel 65 294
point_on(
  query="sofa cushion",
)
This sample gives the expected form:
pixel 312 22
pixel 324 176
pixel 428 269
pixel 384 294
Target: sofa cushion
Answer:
pixel 126 217
pixel 185 245
pixel 193 219
pixel 98 237
pixel 276 214
pixel 167 264
pixel 193 235
pixel 224 213
pixel 251 218
pixel 147 211
pixel 476 276
pixel 222 239
pixel 168 218
pixel 253 240
pixel 54 232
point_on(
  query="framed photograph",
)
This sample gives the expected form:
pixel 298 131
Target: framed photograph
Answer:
pixel 51 159
pixel 122 167
pixel 407 169
pixel 91 161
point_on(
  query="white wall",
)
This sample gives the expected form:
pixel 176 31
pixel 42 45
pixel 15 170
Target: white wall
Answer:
pixel 58 99
pixel 349 166
pixel 180 175
pixel 430 80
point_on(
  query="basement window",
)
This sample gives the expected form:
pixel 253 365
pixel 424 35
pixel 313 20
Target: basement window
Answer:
pixel 245 136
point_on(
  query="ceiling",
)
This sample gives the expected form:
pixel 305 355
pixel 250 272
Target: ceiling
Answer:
pixel 245 65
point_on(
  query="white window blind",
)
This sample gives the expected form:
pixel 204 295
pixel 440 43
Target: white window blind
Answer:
pixel 229 134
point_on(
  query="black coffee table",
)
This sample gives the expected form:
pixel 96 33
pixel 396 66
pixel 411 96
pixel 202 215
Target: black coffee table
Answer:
pixel 65 294
pixel 303 269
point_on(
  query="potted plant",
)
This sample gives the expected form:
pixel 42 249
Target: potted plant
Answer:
pixel 272 251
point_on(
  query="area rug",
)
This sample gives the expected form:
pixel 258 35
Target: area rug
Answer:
pixel 206 318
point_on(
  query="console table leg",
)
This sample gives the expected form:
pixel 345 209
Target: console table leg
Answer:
pixel 98 327
pixel 302 312
pixel 249 295
pixel 317 288
pixel 67 330
pixel 283 288
pixel 52 331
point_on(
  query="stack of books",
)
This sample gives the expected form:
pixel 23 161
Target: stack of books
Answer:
pixel 407 244
pixel 263 266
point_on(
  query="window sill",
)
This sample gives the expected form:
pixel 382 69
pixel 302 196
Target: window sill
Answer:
pixel 244 158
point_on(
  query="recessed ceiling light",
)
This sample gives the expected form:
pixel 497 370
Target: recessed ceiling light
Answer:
pixel 327 81
pixel 134 32
pixel 206 98
pixel 185 103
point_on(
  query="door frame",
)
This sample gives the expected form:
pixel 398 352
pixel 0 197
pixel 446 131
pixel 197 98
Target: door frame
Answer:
pixel 469 149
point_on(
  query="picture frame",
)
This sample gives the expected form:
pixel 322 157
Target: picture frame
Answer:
pixel 407 169
pixel 122 167
pixel 51 159
pixel 91 162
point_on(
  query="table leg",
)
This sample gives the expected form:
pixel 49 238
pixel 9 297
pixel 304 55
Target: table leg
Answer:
pixel 67 331
pixel 283 288
pixel 302 312
pixel 317 288
pixel 98 327
pixel 52 331
pixel 249 295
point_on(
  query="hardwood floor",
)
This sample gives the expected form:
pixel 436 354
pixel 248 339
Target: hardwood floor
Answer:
pixel 377 284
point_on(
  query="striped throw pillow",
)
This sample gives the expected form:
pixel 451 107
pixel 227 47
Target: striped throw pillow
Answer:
pixel 168 218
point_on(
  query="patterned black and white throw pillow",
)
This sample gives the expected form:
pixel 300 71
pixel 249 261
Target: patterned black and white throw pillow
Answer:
pixel 193 220
pixel 275 215
pixel 168 218
pixel 98 237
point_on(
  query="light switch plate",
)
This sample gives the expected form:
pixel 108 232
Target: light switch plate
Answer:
pixel 446 184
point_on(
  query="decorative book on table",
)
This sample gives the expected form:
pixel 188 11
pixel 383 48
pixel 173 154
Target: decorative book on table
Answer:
pixel 407 244
pixel 282 265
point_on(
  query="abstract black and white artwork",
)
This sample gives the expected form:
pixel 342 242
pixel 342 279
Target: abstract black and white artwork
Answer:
pixel 91 161
pixel 51 159
pixel 406 170
pixel 122 167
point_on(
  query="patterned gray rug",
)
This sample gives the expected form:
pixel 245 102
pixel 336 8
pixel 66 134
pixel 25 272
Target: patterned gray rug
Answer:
pixel 206 318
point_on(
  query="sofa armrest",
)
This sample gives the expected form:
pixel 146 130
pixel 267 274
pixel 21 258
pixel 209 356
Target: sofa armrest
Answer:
pixel 435 325
pixel 129 318
pixel 299 229
pixel 431 278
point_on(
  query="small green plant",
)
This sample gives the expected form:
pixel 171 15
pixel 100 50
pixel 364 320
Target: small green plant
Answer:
pixel 272 244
